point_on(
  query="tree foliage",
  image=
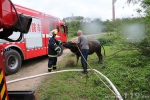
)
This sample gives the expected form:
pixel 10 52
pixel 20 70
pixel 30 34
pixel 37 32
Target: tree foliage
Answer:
pixel 88 25
pixel 133 1
pixel 118 26
pixel 143 46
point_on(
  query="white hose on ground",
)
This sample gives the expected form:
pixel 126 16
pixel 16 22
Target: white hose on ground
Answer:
pixel 117 94
pixel 112 85
pixel 71 70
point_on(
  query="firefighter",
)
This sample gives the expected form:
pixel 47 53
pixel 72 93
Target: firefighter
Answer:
pixel 53 50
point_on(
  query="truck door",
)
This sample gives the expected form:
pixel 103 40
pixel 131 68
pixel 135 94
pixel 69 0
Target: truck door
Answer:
pixel 63 31
pixel 34 36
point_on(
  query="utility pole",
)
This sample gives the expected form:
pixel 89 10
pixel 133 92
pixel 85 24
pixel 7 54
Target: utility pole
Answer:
pixel 113 9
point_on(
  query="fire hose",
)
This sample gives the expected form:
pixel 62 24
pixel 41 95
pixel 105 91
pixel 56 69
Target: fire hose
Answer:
pixel 71 70
pixel 114 91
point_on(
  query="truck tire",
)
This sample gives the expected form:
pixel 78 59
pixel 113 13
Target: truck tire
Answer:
pixel 61 50
pixel 12 62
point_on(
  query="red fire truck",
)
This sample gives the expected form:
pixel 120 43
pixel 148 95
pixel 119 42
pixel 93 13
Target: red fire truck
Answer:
pixel 35 42
pixel 24 34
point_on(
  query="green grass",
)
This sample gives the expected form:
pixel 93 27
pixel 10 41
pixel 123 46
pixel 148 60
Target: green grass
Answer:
pixel 131 81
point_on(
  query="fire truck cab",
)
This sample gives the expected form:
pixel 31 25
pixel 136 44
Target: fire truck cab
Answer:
pixel 35 42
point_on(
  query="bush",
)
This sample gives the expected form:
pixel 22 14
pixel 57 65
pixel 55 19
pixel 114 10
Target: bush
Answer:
pixel 72 34
pixel 138 61
pixel 106 41
pixel 144 46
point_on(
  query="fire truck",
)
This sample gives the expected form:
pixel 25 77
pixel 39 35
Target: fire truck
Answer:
pixel 35 42
pixel 24 34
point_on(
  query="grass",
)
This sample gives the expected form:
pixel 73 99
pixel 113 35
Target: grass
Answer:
pixel 131 81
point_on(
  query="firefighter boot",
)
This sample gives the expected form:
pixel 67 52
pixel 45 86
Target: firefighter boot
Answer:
pixel 54 67
pixel 50 69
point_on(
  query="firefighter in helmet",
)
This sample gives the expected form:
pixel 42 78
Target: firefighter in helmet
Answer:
pixel 53 50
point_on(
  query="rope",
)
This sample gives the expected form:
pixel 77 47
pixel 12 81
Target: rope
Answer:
pixel 96 73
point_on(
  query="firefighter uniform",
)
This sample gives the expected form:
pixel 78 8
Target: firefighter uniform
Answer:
pixel 53 49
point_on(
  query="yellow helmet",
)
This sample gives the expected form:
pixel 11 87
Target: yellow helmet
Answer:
pixel 54 31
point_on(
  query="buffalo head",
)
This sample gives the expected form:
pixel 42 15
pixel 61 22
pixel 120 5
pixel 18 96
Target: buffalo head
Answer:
pixel 73 47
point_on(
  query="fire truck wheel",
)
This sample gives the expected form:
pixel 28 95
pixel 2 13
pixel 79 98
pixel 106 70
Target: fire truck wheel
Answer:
pixel 61 51
pixel 12 62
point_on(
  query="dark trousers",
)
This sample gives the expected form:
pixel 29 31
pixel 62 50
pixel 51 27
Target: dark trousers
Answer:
pixel 52 61
pixel 83 60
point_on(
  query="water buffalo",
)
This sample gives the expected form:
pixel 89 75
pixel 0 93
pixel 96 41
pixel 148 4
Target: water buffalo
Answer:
pixel 94 46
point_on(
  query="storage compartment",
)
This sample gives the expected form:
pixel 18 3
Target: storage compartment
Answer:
pixel 22 95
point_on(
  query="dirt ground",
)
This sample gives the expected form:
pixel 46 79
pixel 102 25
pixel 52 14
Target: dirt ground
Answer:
pixel 29 68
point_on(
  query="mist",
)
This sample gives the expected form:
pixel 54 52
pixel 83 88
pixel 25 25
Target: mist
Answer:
pixel 133 32
pixel 92 28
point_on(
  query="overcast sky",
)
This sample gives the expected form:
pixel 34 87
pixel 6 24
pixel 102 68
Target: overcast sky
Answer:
pixel 86 8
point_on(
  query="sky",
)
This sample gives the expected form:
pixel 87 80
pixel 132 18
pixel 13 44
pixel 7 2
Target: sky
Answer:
pixel 86 8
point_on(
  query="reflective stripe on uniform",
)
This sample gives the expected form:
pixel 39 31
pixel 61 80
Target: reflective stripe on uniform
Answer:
pixel 49 68
pixel 52 55
pixel 56 48
pixel 60 42
pixel 54 65
pixel 55 44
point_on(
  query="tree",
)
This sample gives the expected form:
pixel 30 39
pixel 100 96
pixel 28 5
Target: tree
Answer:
pixel 144 45
pixel 133 1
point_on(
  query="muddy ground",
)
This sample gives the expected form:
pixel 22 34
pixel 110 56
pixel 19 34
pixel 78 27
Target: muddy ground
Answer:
pixel 29 68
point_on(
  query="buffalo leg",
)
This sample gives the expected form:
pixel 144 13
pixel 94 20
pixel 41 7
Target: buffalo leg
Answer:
pixel 77 60
pixel 100 56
